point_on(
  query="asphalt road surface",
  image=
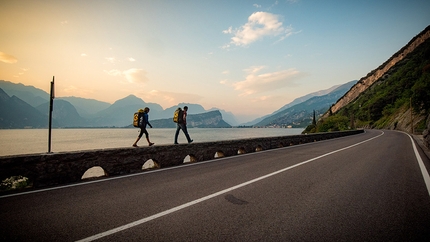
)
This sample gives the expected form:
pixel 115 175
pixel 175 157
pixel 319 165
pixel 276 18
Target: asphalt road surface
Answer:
pixel 367 187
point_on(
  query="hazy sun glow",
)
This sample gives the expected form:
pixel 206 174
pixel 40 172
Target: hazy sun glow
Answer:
pixel 248 58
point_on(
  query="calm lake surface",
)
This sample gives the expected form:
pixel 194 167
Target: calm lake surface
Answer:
pixel 31 141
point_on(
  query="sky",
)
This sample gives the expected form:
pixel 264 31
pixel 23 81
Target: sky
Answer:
pixel 245 57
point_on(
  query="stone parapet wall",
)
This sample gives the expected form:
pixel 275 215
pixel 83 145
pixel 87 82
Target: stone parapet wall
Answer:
pixel 426 134
pixel 68 167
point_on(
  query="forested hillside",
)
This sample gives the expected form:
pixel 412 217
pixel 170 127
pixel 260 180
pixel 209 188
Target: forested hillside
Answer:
pixel 400 96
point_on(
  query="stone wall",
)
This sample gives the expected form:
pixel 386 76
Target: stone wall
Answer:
pixel 426 134
pixel 69 167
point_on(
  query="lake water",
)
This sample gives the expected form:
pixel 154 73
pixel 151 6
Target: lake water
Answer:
pixel 30 141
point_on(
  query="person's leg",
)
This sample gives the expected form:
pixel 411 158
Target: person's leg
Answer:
pixel 147 137
pixel 135 143
pixel 184 128
pixel 138 138
pixel 178 127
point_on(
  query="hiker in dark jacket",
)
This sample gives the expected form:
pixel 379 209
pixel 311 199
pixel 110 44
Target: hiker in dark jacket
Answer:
pixel 183 125
pixel 143 121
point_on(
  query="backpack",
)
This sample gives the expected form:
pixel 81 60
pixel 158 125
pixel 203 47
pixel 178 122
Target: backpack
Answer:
pixel 136 118
pixel 178 116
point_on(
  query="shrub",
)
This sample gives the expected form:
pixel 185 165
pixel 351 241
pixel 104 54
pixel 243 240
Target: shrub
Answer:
pixel 14 182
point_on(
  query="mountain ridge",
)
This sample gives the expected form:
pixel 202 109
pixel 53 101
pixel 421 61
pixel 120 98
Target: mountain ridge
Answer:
pixel 373 76
pixel 396 95
pixel 300 115
pixel 16 113
pixel 20 113
pixel 296 101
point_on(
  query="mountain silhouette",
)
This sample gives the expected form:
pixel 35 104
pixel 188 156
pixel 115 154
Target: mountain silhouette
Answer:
pixel 300 115
pixel 15 113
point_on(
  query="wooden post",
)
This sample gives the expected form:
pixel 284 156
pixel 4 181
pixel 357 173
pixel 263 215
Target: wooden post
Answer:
pixel 51 108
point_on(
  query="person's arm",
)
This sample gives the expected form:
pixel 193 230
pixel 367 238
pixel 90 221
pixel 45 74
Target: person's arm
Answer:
pixel 147 120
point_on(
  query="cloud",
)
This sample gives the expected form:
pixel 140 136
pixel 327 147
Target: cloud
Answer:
pixel 110 59
pixel 135 75
pixel 132 75
pixel 228 31
pixel 256 5
pixel 113 72
pixel 7 58
pixel 263 98
pixel 270 99
pixel 131 59
pixel 260 83
pixel 84 55
pixel 259 25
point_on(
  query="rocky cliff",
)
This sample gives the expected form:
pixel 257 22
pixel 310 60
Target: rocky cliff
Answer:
pixel 212 119
pixel 373 76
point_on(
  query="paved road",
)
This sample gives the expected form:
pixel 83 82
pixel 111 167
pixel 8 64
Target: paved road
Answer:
pixel 366 187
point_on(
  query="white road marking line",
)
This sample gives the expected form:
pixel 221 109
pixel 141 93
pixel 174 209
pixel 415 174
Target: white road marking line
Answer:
pixel 422 166
pixel 172 210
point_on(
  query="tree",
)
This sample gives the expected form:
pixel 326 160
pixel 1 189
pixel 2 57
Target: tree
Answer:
pixel 314 121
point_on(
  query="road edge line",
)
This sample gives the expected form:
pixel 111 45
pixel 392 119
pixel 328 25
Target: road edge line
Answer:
pixel 423 169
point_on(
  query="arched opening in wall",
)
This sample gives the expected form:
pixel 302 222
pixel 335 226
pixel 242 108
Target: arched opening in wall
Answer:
pixel 259 148
pixel 219 154
pixel 15 182
pixel 94 172
pixel 241 151
pixel 190 159
pixel 150 164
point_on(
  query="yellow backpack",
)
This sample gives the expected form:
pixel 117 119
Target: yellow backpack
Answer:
pixel 178 116
pixel 136 118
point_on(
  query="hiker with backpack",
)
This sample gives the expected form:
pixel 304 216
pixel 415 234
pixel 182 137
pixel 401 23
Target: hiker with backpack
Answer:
pixel 141 122
pixel 180 118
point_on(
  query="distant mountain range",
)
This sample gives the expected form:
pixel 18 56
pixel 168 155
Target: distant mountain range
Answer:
pixel 294 102
pixel 26 106
pixel 17 113
pixel 300 114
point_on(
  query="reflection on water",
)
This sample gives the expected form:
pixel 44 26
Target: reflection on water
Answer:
pixel 29 141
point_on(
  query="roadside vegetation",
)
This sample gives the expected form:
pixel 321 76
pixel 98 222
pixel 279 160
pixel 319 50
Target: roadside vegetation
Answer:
pixel 14 182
